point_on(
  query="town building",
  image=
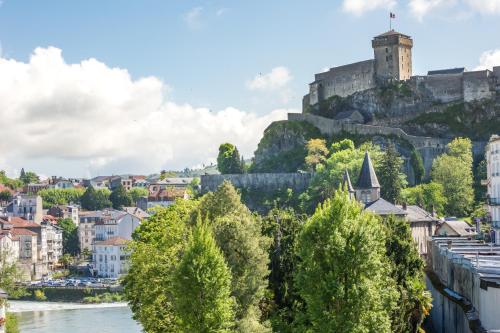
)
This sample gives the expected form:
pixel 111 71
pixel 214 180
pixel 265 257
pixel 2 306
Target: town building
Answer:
pixel 367 192
pixel 111 258
pixel 65 212
pixel 29 207
pixel 464 280
pixel 452 227
pixel 492 183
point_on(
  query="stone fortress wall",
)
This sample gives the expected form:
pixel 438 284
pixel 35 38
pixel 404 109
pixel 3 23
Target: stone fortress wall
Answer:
pixel 266 182
pixel 392 61
pixel 343 81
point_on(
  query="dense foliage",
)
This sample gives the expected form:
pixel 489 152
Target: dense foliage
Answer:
pixel 202 286
pixel 429 196
pixel 120 198
pixel 28 177
pixel 453 170
pixel 417 165
pixel 93 199
pixel 71 243
pixel 138 192
pixel 229 160
pixel 316 153
pixel 344 274
pixel 53 197
pixel 390 175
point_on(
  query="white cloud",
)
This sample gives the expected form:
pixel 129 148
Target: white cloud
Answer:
pixel 485 6
pixel 277 78
pixel 358 7
pixel 489 59
pixel 193 18
pixel 73 119
pixel 420 8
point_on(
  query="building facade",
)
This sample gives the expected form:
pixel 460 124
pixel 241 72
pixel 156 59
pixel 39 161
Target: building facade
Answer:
pixel 111 258
pixel 492 183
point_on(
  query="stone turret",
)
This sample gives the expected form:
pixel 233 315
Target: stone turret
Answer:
pixel 393 59
pixel 347 185
pixel 367 187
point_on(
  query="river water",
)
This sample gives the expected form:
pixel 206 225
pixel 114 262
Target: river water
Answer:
pixel 45 317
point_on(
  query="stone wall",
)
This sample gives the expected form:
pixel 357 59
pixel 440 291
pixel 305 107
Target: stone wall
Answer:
pixel 429 148
pixel 298 182
pixel 342 81
pixel 478 85
pixel 443 87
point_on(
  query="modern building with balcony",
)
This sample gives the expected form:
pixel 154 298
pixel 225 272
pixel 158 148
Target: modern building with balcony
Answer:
pixel 492 183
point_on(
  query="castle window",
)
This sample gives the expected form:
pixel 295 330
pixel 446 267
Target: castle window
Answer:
pixel 386 50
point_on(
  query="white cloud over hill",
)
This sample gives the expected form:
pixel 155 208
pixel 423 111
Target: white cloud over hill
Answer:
pixel 72 118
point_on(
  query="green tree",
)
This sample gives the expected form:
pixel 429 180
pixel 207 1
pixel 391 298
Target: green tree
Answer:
pixel 5 196
pixel 343 156
pixel 12 325
pixel 417 165
pixel 120 198
pixel 428 196
pixel 9 182
pixel 29 177
pixel 453 170
pixel 390 174
pixel 414 302
pixel 202 286
pixel 71 243
pixel 95 199
pixel 283 226
pixel 154 259
pixel 344 274
pixel 316 153
pixel 238 233
pixel 138 192
pixel 228 160
pixel 53 196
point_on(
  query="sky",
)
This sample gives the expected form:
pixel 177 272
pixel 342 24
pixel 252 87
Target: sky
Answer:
pixel 110 87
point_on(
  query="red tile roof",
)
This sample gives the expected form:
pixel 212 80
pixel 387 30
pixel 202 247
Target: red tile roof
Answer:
pixel 18 222
pixel 22 231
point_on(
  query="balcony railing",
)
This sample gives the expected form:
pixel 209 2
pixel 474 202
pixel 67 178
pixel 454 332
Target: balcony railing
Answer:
pixel 494 201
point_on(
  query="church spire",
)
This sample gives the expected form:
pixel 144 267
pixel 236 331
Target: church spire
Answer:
pixel 367 177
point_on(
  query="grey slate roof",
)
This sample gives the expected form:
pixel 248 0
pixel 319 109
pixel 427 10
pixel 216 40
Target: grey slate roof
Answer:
pixel 391 33
pixel 367 177
pixel 447 71
pixel 383 207
pixel 346 182
pixel 417 214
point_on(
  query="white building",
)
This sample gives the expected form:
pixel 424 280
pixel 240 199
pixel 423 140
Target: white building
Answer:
pixel 111 257
pixel 493 183
pixel 29 207
pixel 116 224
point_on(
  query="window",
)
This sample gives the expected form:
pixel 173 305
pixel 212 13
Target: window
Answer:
pixel 386 50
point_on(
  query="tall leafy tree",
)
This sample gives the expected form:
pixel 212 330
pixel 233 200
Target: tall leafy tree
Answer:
pixel 28 177
pixel 238 233
pixel 429 196
pixel 453 170
pixel 93 199
pixel 316 153
pixel 54 196
pixel 391 177
pixel 228 160
pixel 283 226
pixel 120 198
pixel 417 165
pixel 137 192
pixel 414 302
pixel 5 196
pixel 202 286
pixel 157 248
pixel 70 236
pixel 344 274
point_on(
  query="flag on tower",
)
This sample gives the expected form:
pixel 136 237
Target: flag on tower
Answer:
pixel 392 15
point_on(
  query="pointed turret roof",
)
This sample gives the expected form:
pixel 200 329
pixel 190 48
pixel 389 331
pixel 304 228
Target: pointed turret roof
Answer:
pixel 367 177
pixel 346 182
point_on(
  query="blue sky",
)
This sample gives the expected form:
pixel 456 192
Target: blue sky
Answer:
pixel 207 54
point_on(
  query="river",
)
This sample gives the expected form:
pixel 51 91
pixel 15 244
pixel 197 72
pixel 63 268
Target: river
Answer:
pixel 44 317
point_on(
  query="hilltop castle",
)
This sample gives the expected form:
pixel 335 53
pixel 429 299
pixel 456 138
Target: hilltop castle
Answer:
pixel 393 62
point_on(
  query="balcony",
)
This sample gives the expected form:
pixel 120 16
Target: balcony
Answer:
pixel 494 201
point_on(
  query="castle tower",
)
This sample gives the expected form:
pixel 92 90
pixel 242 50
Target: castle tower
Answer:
pixel 392 56
pixel 367 187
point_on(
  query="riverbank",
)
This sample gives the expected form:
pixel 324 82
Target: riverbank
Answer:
pixel 33 306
